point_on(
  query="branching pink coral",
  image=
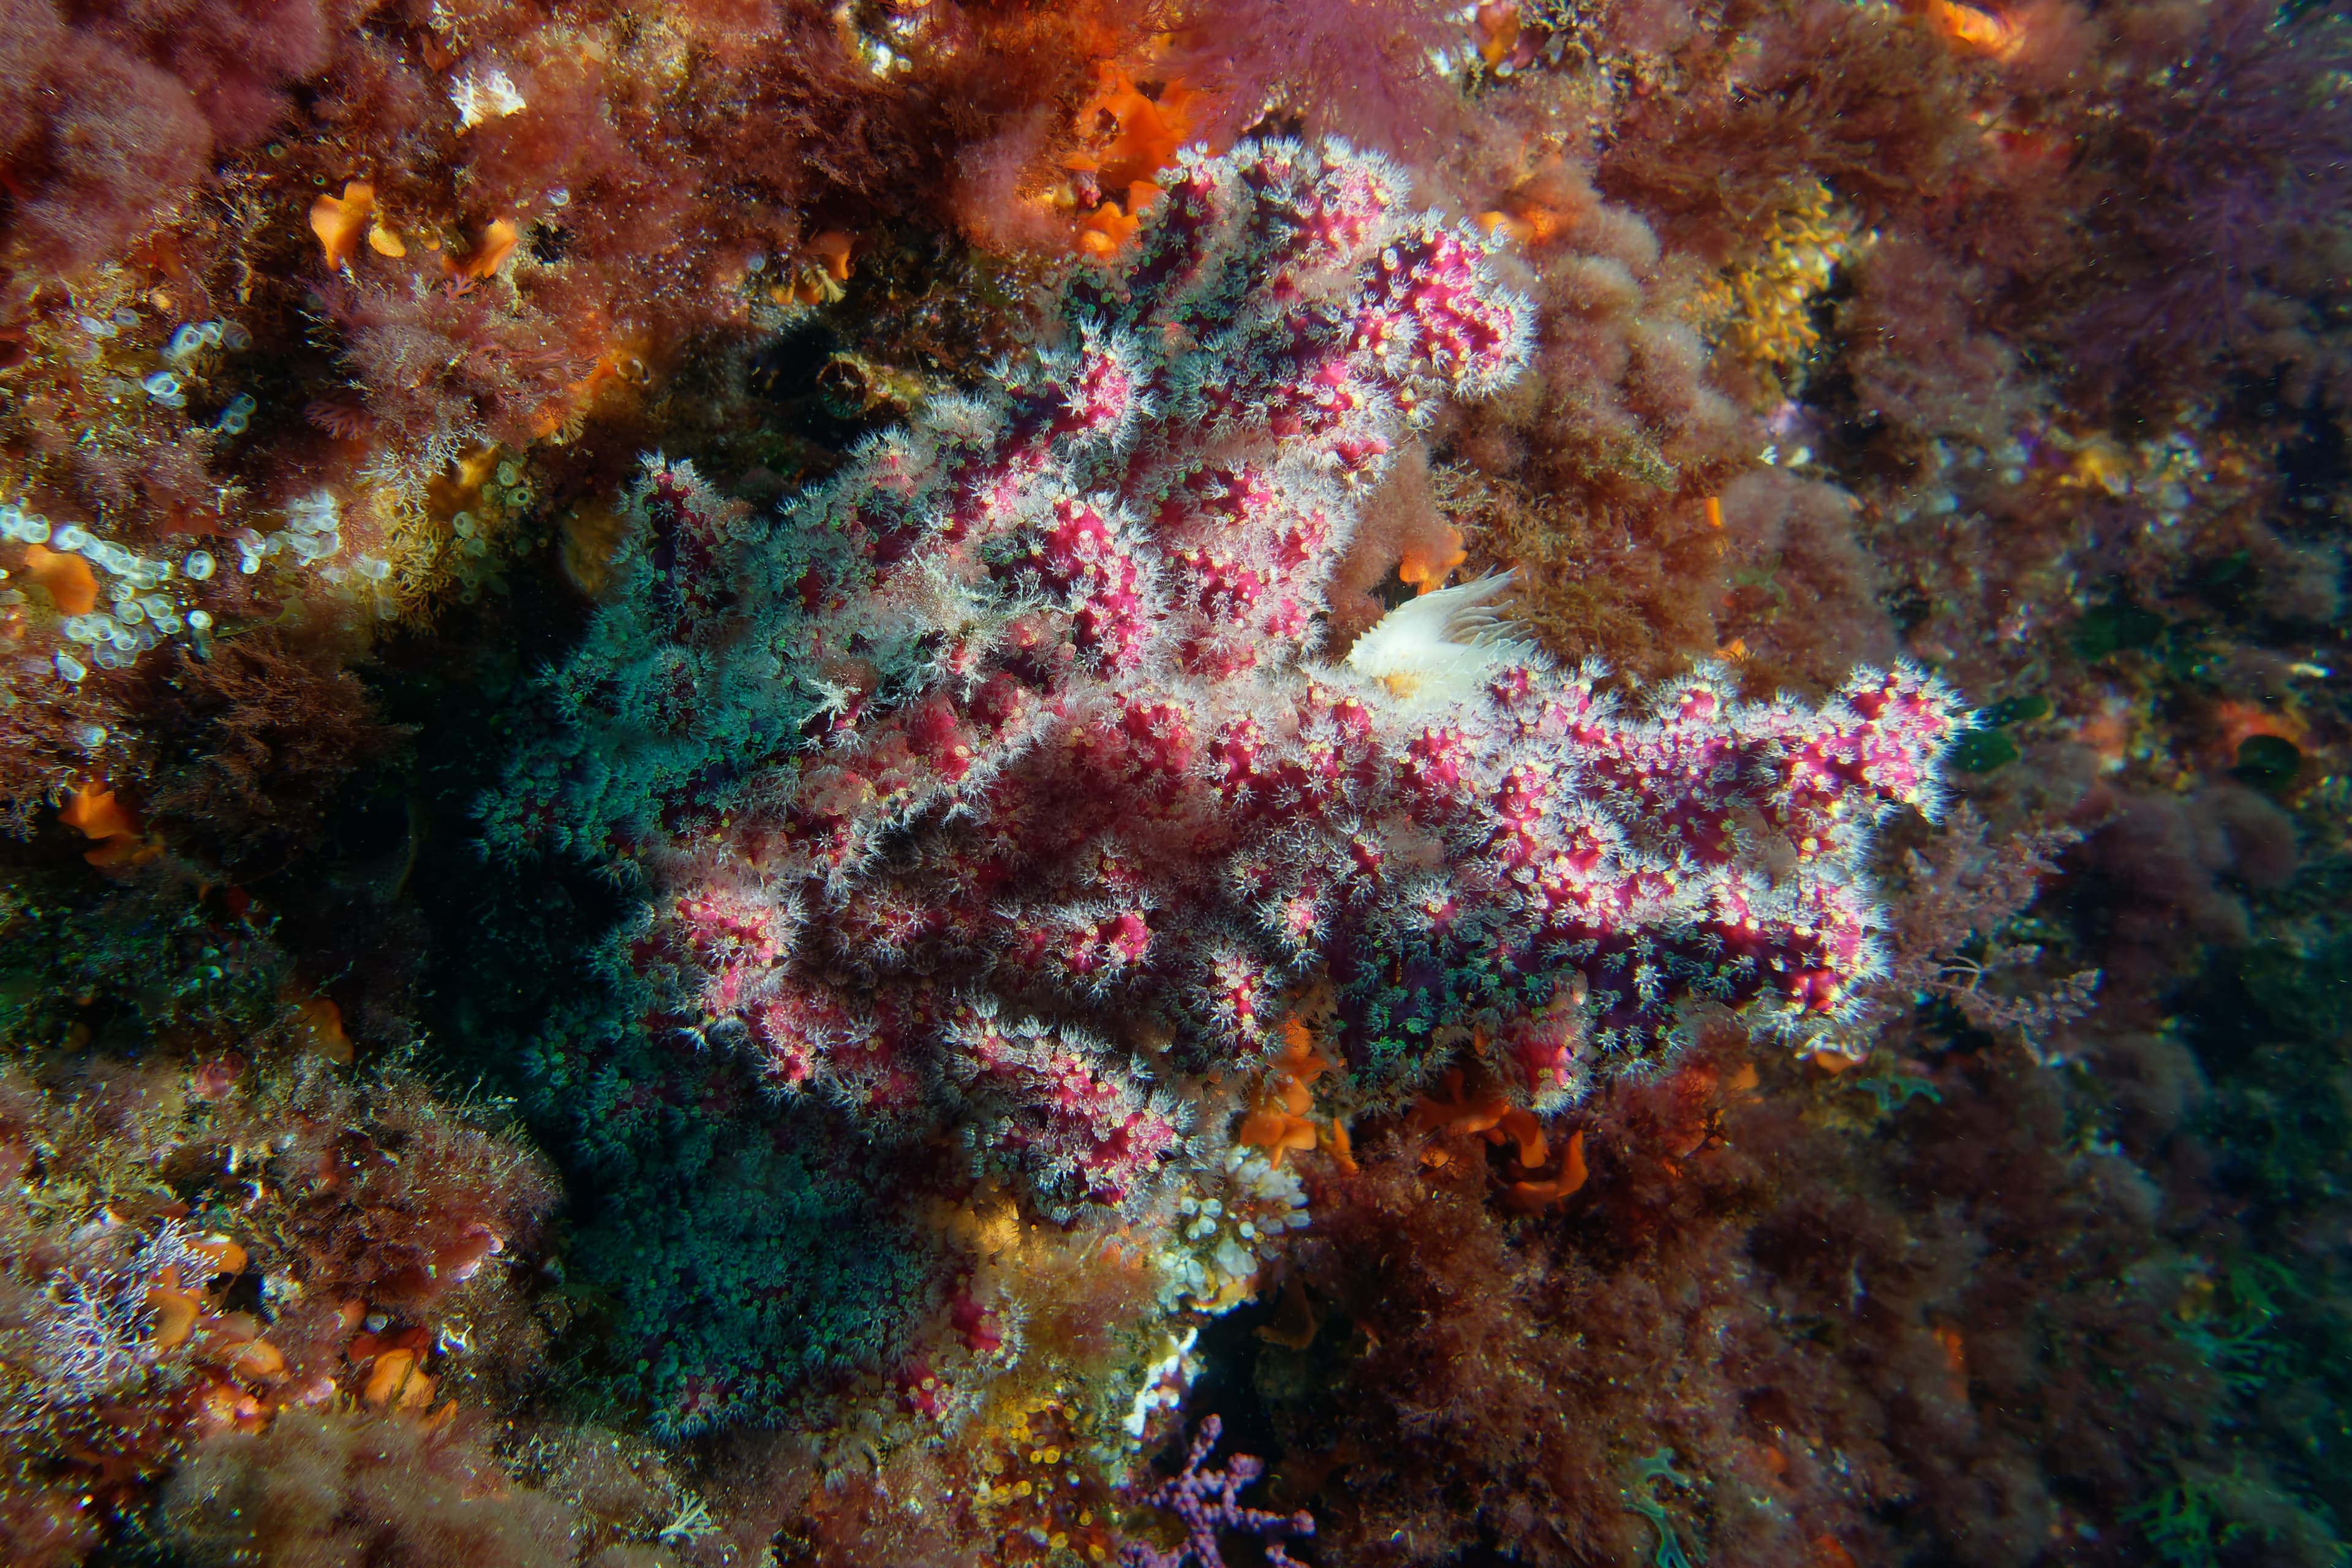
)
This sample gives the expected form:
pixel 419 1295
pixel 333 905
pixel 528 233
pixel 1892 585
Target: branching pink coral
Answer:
pixel 1031 710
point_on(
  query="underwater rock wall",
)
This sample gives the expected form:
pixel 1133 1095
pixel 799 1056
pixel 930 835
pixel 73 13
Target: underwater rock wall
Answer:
pixel 1144 766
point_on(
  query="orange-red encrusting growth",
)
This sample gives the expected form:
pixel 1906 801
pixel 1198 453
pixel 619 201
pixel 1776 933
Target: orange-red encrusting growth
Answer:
pixel 1956 1360
pixel 1128 136
pixel 1977 29
pixel 1829 1552
pixel 1277 1121
pixel 67 580
pixel 1426 570
pixel 341 222
pixel 2236 722
pixel 95 814
pixel 1529 1197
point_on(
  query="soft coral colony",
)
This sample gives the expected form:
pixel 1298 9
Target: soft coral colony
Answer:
pixel 1019 728
pixel 996 790
pixel 1026 912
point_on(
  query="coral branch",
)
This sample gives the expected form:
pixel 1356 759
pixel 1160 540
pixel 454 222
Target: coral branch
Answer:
pixel 1207 1501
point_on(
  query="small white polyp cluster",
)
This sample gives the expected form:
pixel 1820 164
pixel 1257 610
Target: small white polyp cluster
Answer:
pixel 194 338
pixel 1214 1247
pixel 313 533
pixel 145 596
pixel 141 610
pixel 189 343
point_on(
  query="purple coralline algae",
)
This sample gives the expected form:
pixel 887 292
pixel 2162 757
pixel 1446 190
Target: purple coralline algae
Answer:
pixel 1208 1501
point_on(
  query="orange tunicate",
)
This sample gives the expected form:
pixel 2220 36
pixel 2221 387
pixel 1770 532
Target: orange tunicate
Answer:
pixel 1143 132
pixel 832 246
pixel 1342 1147
pixel 1572 1172
pixel 1983 31
pixel 1425 570
pixel 122 851
pixel 499 242
pixel 1529 224
pixel 320 1026
pixel 385 242
pixel 228 1256
pixel 1528 1197
pixel 257 1358
pixel 463 1259
pixel 1300 1060
pixel 395 1380
pixel 340 222
pixel 1278 1122
pixel 225 1404
pixel 1520 1126
pixel 1276 1131
pixel 1295 1322
pixel 1498 32
pixel 175 1311
pixel 1103 231
pixel 593 534
pixel 98 814
pixel 1129 136
pixel 616 363
pixel 67 579
pixel 1457 1112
